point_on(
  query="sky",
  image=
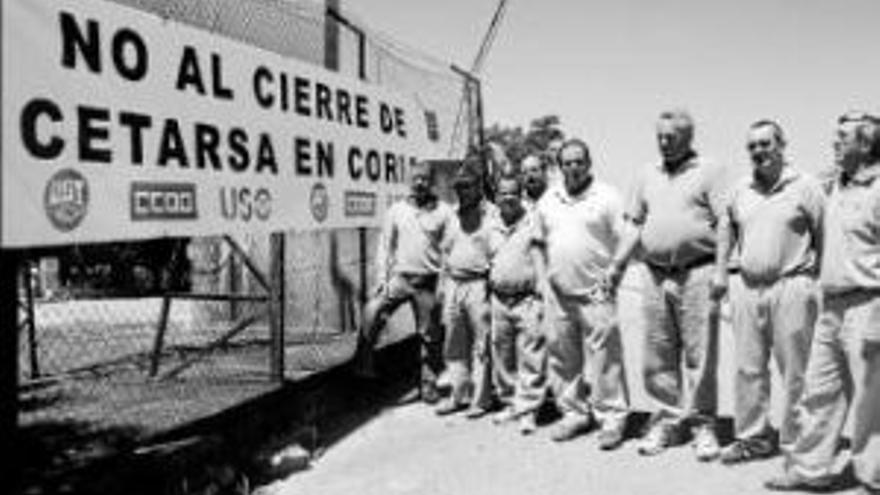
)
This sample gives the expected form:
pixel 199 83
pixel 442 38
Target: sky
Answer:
pixel 608 68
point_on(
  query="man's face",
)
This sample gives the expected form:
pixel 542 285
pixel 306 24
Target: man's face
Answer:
pixel 421 181
pixel 575 168
pixel 673 140
pixel 469 193
pixel 508 198
pixel 765 150
pixel 848 147
pixel 534 175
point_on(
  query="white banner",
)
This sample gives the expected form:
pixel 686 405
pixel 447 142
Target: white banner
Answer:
pixel 118 124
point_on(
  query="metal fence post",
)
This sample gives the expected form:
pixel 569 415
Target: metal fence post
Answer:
pixel 276 305
pixel 9 329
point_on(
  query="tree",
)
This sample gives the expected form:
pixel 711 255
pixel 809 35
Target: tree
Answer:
pixel 517 144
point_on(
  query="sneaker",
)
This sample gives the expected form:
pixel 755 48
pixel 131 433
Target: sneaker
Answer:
pixel 793 483
pixel 611 437
pixel 658 439
pixel 570 426
pixel 476 412
pixel 504 416
pixel 429 393
pixel 750 449
pixel 451 406
pixel 527 424
pixel 706 445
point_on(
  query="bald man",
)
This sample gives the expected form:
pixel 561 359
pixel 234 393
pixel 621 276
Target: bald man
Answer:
pixel 673 217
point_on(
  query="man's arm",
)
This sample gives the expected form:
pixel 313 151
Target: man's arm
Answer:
pixel 724 241
pixel 385 249
pixel 630 235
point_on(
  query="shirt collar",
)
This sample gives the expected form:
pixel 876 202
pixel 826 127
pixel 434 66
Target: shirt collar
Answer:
pixel 865 175
pixel 689 160
pixel 787 175
pixel 565 198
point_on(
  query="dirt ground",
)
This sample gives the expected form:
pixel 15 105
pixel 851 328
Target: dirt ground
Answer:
pixel 408 450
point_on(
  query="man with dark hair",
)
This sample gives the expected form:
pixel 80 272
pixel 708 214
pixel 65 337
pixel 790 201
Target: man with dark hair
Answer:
pixel 408 265
pixel 843 372
pixel 774 221
pixel 673 215
pixel 518 345
pixel 580 226
pixel 533 170
pixel 466 310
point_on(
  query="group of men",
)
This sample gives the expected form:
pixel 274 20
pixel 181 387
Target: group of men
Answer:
pixel 528 287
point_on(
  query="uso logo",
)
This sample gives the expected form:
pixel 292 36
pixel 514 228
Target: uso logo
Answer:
pixel 66 199
pixel 319 202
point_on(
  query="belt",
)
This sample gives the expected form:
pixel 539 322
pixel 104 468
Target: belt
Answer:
pixel 513 298
pixel 678 269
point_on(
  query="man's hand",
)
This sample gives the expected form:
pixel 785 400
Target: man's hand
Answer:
pixel 613 276
pixel 718 286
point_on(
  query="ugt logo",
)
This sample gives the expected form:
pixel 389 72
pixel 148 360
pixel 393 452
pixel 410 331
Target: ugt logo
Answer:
pixel 66 199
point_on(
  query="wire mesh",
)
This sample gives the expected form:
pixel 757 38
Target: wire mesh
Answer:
pixel 122 341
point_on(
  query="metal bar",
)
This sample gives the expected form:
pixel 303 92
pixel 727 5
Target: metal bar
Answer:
pixel 30 322
pixel 260 276
pixel 236 329
pixel 276 306
pixel 362 55
pixel 363 262
pixel 9 330
pixel 219 297
pixel 331 35
pixel 159 341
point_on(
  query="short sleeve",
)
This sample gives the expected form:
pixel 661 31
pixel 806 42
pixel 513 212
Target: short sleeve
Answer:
pixel 637 207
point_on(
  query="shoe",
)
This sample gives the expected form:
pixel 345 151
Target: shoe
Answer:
pixel 750 449
pixel 658 439
pixel 429 394
pixel 569 427
pixel 450 407
pixel 527 424
pixel 611 437
pixel 706 446
pixel 793 483
pixel 476 412
pixel 506 415
pixel 867 490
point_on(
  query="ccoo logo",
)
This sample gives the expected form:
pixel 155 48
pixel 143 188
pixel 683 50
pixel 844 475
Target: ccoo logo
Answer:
pixel 66 199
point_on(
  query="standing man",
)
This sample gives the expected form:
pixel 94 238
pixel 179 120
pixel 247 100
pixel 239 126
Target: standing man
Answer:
pixel 466 309
pixel 774 219
pixel 580 227
pixel 843 372
pixel 674 213
pixel 518 345
pixel 408 265
pixel 534 173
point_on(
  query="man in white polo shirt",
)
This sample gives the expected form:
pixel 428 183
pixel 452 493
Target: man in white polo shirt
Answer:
pixel 843 371
pixel 580 227
pixel 774 220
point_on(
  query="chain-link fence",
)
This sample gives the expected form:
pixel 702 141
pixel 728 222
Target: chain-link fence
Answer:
pixel 118 342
